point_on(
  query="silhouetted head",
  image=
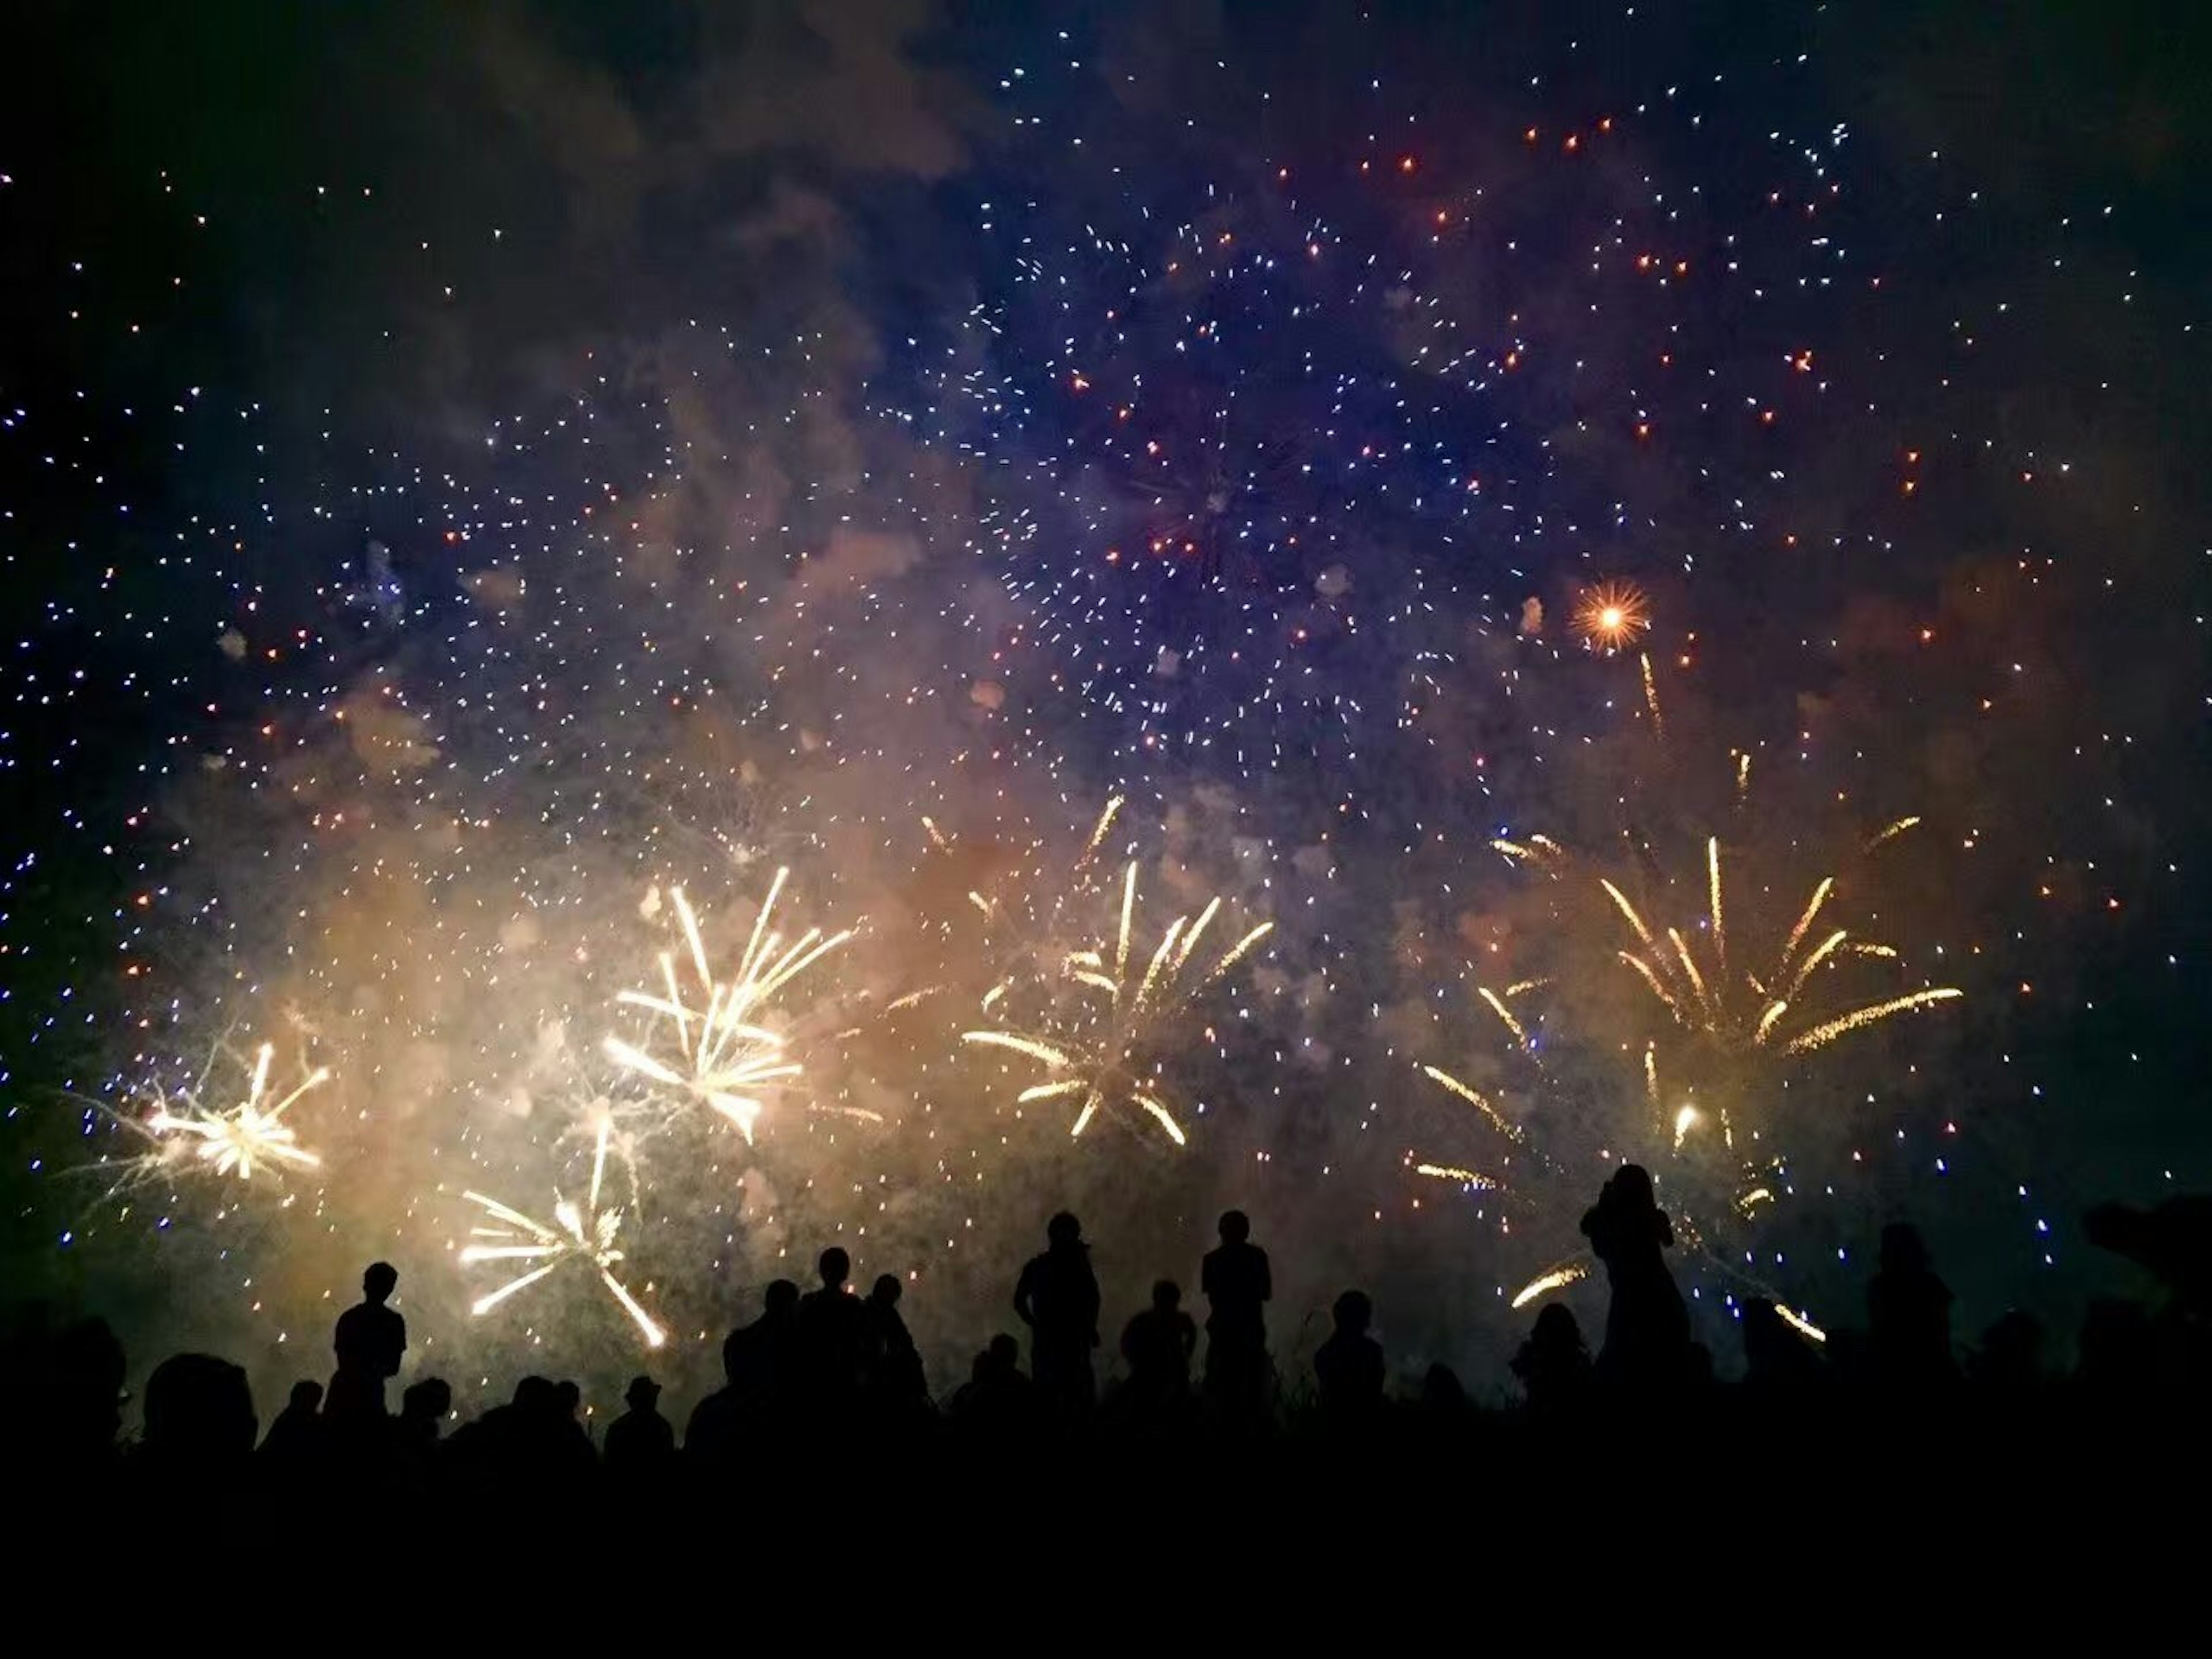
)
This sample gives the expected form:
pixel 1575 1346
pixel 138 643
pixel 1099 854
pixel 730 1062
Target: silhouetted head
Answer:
pixel 1630 1188
pixel 1235 1226
pixel 567 1397
pixel 1557 1326
pixel 307 1395
pixel 428 1401
pixel 1354 1313
pixel 1064 1231
pixel 782 1297
pixel 886 1291
pixel 1902 1249
pixel 835 1267
pixel 379 1281
pixel 199 1406
pixel 640 1394
pixel 1167 1295
pixel 535 1395
pixel 1441 1389
pixel 1003 1353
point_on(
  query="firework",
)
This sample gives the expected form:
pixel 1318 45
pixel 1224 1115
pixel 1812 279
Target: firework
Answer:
pixel 1102 1065
pixel 238 1140
pixel 1554 1278
pixel 1713 1003
pixel 722 1055
pixel 1611 614
pixel 585 1235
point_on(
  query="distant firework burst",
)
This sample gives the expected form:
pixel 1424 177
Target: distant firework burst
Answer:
pixel 193 1133
pixel 1612 615
pixel 711 1044
pixel 1108 1058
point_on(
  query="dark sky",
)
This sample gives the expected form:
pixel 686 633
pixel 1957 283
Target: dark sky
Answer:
pixel 777 423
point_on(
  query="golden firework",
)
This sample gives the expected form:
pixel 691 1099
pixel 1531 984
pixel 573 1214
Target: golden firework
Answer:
pixel 1101 1062
pixel 722 1055
pixel 238 1140
pixel 585 1235
pixel 1611 615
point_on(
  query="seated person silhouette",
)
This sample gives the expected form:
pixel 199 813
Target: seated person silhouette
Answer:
pixel 1348 1367
pixel 1157 1345
pixel 1553 1364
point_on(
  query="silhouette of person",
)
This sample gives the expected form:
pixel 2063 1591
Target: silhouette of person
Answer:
pixel 758 1381
pixel 1909 1317
pixel 295 1443
pixel 422 1409
pixel 1348 1367
pixel 2008 1366
pixel 831 1338
pixel 895 1380
pixel 1057 1297
pixel 1157 1345
pixel 1239 1286
pixel 370 1341
pixel 641 1441
pixel 996 1402
pixel 571 1440
pixel 1553 1364
pixel 1443 1398
pixel 1647 1326
pixel 69 1384
pixel 199 1420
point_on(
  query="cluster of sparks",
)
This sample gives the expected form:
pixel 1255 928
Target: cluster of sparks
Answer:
pixel 1104 1063
pixel 584 1235
pixel 250 1135
pixel 722 1055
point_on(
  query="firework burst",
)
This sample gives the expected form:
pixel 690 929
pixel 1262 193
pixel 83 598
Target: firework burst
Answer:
pixel 585 1235
pixel 250 1135
pixel 1612 615
pixel 1100 1064
pixel 711 1046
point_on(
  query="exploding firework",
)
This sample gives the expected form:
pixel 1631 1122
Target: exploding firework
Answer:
pixel 721 1055
pixel 585 1235
pixel 1612 615
pixel 1101 1062
pixel 239 1139
pixel 1738 1010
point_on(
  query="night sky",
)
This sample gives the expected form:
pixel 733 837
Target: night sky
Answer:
pixel 465 472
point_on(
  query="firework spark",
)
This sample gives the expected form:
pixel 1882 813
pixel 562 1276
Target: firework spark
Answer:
pixel 1611 614
pixel 1556 1278
pixel 585 1235
pixel 1100 1064
pixel 723 1055
pixel 238 1140
pixel 1709 1003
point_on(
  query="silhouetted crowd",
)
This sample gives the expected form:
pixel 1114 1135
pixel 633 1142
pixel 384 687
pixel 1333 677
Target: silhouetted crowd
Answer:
pixel 827 1378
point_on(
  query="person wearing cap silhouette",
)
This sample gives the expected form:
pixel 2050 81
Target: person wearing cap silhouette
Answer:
pixel 641 1441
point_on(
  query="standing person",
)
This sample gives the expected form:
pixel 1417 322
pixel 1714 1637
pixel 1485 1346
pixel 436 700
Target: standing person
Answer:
pixel 1157 1344
pixel 1057 1297
pixel 831 1339
pixel 1647 1324
pixel 899 1390
pixel 641 1441
pixel 370 1341
pixel 1238 1287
